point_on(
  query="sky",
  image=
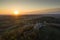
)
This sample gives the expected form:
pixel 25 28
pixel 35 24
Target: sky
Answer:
pixel 8 6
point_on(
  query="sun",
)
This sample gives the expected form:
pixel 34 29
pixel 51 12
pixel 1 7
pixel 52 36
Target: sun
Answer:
pixel 16 12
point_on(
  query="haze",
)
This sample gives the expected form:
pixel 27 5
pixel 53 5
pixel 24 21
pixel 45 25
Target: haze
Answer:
pixel 8 6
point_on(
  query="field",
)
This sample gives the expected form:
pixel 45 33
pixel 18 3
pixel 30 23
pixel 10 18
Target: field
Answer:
pixel 29 27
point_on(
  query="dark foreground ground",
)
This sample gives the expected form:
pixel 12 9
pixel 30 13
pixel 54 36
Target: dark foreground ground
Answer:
pixel 32 27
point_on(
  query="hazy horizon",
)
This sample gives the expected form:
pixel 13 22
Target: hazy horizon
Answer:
pixel 9 6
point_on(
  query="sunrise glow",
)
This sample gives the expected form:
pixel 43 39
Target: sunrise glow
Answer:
pixel 16 12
